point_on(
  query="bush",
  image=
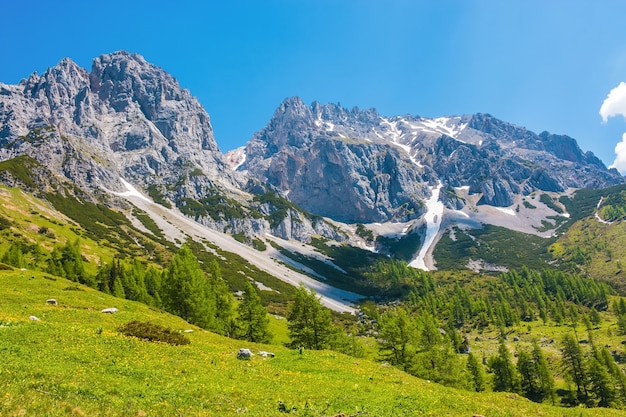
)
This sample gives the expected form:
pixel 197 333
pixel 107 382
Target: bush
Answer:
pixel 153 332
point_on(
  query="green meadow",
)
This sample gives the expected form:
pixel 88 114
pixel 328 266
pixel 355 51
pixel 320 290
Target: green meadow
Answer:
pixel 75 362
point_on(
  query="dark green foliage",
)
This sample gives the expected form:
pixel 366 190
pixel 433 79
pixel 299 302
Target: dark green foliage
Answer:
pixel 613 207
pixel 585 201
pixel 5 223
pixel 279 207
pixel 252 323
pixel 537 382
pixel 475 370
pixel 67 262
pixel 600 384
pixel 310 325
pixel 494 244
pixel 148 223
pixel 364 232
pixel 575 367
pixel 549 201
pixel 404 248
pixel 154 333
pixel 102 224
pixel 156 196
pixel 185 290
pixel 355 261
pixel 505 375
pixel 21 168
pixel 216 206
pixel 130 280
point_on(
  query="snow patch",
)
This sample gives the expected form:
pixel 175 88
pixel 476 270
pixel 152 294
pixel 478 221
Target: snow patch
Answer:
pixel 433 218
pixel 131 191
pixel 241 161
pixel 508 211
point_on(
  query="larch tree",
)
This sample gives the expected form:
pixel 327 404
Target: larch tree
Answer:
pixel 186 290
pixel 252 323
pixel 310 324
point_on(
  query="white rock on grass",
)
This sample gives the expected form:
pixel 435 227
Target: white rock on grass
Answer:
pixel 110 310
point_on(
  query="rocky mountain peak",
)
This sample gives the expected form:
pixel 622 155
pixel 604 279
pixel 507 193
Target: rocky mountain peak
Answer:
pixel 383 168
pixel 127 113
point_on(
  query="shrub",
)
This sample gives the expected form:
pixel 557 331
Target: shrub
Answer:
pixel 153 332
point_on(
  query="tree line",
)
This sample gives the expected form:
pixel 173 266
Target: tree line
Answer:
pixel 424 334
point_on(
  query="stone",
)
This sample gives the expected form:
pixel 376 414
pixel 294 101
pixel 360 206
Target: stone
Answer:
pixel 245 354
pixel 34 318
pixel 110 310
pixel 51 301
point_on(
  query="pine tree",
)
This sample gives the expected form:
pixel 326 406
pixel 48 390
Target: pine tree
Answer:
pixel 186 291
pixel 223 299
pixel 252 322
pixel 505 376
pixel 536 380
pixel 600 383
pixel 310 325
pixel 574 363
pixel 396 332
pixel 477 377
pixel 14 256
pixel 546 389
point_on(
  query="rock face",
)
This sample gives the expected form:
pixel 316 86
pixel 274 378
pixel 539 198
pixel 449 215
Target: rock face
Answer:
pixel 126 118
pixel 130 119
pixel 358 166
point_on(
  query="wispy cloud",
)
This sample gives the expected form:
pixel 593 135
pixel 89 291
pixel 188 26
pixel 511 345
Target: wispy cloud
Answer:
pixel 615 105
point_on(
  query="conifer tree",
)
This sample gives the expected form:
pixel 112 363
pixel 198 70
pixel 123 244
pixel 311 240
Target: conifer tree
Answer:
pixel 600 383
pixel 14 256
pixel 536 380
pixel 505 376
pixel 396 332
pixel 310 325
pixel 186 291
pixel 477 376
pixel 252 322
pixel 574 363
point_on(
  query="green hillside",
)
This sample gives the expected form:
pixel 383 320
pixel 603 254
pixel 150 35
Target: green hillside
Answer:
pixel 75 362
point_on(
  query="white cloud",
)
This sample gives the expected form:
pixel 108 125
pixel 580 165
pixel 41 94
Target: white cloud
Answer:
pixel 620 156
pixel 615 103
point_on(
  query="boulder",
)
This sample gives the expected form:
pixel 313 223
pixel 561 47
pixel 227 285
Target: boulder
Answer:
pixel 266 354
pixel 33 318
pixel 110 310
pixel 245 354
pixel 51 301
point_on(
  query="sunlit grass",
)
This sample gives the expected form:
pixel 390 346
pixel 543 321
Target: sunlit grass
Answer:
pixel 74 361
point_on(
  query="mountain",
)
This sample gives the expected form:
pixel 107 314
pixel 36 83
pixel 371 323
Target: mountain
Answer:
pixel 128 119
pixel 311 173
pixel 384 168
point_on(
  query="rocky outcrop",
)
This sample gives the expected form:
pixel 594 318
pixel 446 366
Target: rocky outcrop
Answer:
pixel 126 118
pixel 358 166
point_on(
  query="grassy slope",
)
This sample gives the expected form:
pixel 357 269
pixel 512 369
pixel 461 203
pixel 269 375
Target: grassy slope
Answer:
pixel 75 362
pixel 29 215
pixel 592 247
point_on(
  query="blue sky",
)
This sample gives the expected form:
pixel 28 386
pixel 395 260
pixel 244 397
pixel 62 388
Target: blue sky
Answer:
pixel 546 65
